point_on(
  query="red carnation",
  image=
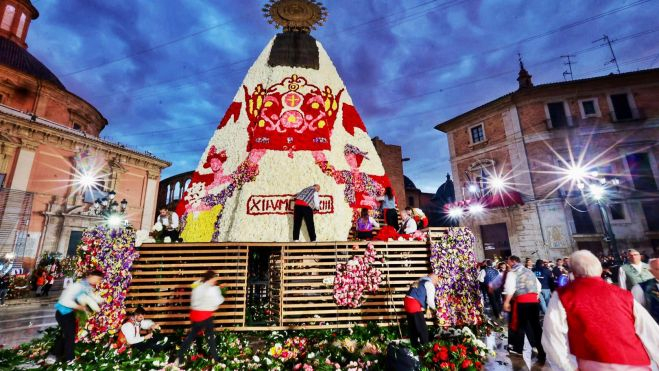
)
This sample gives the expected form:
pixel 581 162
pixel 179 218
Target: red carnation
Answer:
pixel 444 365
pixel 478 365
pixel 443 354
pixel 454 349
pixel 435 348
pixel 466 363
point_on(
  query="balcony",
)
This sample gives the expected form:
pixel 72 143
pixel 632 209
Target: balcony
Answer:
pixel 627 115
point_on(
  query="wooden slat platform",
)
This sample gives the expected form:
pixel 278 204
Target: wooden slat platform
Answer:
pixel 164 272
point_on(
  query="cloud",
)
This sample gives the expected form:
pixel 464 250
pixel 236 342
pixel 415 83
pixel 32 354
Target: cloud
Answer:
pixel 171 67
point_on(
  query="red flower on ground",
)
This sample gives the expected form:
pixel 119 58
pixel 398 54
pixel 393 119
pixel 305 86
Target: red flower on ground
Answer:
pixel 443 354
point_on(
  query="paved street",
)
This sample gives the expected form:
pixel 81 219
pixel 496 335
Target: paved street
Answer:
pixel 22 322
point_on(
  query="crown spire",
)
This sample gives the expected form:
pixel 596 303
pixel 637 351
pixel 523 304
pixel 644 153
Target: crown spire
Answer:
pixel 524 78
pixel 295 15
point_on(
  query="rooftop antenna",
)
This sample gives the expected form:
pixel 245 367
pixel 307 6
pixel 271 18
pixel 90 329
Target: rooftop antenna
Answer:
pixel 569 66
pixel 607 41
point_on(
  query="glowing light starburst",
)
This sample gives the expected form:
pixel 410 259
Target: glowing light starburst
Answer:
pixel 88 179
pixel 455 212
pixel 573 171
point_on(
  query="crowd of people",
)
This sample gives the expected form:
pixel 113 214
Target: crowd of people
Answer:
pixel 571 309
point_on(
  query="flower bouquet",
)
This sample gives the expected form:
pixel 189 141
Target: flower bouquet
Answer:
pixel 456 349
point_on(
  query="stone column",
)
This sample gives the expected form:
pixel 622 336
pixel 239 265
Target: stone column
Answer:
pixel 150 199
pixel 23 168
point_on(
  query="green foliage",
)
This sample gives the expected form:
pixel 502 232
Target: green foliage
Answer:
pixel 321 350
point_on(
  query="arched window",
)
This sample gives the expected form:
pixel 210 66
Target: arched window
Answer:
pixel 169 194
pixel 8 17
pixel 21 26
pixel 177 191
pixel 185 187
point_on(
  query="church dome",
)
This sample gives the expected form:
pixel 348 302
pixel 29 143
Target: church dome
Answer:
pixel 15 57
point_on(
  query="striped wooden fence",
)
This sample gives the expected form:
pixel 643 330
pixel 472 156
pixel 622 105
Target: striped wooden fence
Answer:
pixel 300 287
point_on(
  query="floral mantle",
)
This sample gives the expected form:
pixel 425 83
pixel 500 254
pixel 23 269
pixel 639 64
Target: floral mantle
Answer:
pixel 111 251
pixel 452 259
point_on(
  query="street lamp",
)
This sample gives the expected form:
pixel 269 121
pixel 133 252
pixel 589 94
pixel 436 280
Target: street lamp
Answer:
pixel 596 187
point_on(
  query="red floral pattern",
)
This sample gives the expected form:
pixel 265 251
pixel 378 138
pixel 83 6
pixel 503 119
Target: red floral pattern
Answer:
pixel 291 116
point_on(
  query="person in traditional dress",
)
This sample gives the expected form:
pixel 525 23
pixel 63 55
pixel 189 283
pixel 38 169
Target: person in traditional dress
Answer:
pixel 170 223
pixel 361 189
pixel 365 225
pixel 306 201
pixel 205 299
pixel 419 299
pixel 139 333
pixel 634 272
pixel 69 302
pixel 521 290
pixel 647 292
pixel 591 325
pixel 215 161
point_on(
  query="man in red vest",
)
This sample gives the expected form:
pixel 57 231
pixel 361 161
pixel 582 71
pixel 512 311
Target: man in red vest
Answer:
pixel 593 325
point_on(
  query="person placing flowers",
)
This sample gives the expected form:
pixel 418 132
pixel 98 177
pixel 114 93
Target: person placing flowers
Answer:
pixel 206 298
pixel 365 225
pixel 139 333
pixel 70 301
pixel 170 223
pixel 419 299
pixel 306 201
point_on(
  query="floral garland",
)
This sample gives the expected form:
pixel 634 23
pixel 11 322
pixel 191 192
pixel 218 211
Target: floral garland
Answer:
pixel 452 259
pixel 355 277
pixel 111 251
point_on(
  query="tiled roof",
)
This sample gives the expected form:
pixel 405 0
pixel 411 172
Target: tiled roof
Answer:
pixel 18 58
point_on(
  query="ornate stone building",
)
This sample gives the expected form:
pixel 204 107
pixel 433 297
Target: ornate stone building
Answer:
pixel 46 134
pixel 607 125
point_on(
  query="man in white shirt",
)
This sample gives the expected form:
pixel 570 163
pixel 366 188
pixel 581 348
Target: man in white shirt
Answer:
pixel 408 225
pixel 139 332
pixel 522 300
pixel 591 325
pixel 634 272
pixel 646 293
pixel 170 223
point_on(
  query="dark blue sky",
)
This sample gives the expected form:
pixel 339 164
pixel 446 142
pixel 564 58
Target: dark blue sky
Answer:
pixel 163 72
